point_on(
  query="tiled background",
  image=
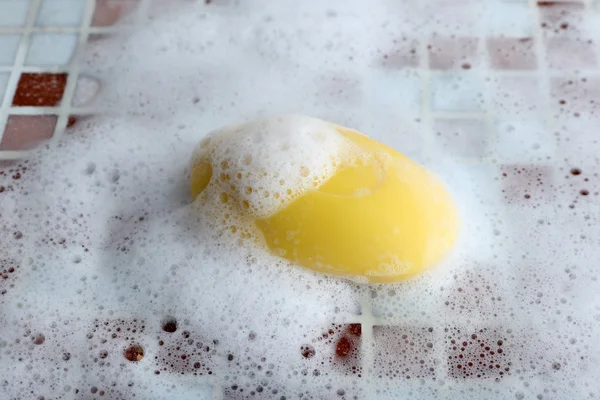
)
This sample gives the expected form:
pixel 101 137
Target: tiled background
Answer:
pixel 532 54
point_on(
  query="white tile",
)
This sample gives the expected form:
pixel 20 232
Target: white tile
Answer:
pixel 61 12
pixel 394 89
pixel 14 12
pixel 523 141
pixel 456 92
pixel 9 44
pixel 511 19
pixel 3 83
pixel 51 49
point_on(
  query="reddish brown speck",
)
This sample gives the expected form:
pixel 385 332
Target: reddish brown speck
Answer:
pixel 343 347
pixel 307 351
pixel 584 192
pixel 466 66
pixel 527 196
pixel 575 171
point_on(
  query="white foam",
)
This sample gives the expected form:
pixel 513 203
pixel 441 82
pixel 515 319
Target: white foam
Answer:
pixel 265 164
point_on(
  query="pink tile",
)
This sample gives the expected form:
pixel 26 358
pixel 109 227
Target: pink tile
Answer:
pixel 511 53
pixel 25 132
pixel 527 184
pixel 560 17
pixel 403 352
pixel 404 53
pixel 453 53
pixel 575 97
pixel 567 53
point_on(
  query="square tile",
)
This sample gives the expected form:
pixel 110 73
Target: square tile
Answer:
pixel 514 96
pixel 478 353
pixel 567 53
pixel 394 89
pixel 511 53
pixel 453 53
pixel 561 17
pixel 403 53
pixel 457 92
pixel 40 90
pixel 403 352
pixel 61 13
pixel 9 44
pixel 522 141
pixel 51 49
pixel 508 18
pixel 14 13
pixel 26 132
pixel 461 137
pixel 575 97
pixel 527 184
pixel 108 12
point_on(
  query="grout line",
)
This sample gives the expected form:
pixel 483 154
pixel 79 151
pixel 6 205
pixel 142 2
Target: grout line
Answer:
pixel 65 108
pixel 17 66
pixel 540 54
pixel 367 343
pixel 486 75
pixel 426 111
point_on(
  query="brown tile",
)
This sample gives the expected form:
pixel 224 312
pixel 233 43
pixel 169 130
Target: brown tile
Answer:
pixel 25 132
pixel 511 53
pixel 40 90
pixel 453 53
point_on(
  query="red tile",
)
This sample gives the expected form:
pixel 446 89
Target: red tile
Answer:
pixel 575 97
pixel 40 90
pixel 478 354
pixel 26 132
pixel 403 352
pixel 511 53
pixel 565 53
pixel 527 184
pixel 404 53
pixel 462 137
pixel 453 53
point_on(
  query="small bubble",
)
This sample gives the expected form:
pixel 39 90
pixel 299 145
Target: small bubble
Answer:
pixel 307 351
pixel 169 324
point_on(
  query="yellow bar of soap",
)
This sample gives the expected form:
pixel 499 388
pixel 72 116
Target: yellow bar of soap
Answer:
pixel 381 217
